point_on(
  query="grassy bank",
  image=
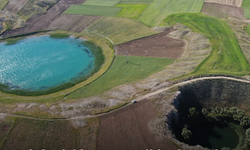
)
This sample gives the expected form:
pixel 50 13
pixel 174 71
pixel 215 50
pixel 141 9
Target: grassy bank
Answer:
pixel 59 35
pixel 226 56
pixel 121 72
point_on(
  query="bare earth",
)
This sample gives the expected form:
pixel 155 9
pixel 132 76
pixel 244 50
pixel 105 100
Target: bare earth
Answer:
pixel 222 11
pixel 42 21
pixel 75 23
pixel 15 6
pixel 236 3
pixel 159 45
pixel 128 128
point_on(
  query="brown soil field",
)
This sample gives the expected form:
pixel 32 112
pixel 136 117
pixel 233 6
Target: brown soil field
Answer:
pixel 75 23
pixel 222 11
pixel 236 3
pixel 159 45
pixel 128 129
pixel 33 134
pixel 15 6
pixel 42 21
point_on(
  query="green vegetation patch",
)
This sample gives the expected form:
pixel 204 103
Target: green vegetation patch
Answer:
pixel 247 29
pixel 131 10
pixel 226 56
pixel 246 6
pixel 59 35
pixel 92 10
pixel 3 3
pixel 135 1
pixel 101 2
pixel 121 72
pixel 120 30
pixel 160 9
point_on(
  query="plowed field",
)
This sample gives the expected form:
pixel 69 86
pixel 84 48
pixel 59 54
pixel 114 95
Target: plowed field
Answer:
pixel 128 129
pixel 15 6
pixel 222 11
pixel 236 3
pixel 159 45
pixel 42 21
pixel 75 23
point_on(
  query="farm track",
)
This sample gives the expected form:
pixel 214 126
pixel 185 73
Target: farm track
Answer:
pixel 139 98
pixel 41 22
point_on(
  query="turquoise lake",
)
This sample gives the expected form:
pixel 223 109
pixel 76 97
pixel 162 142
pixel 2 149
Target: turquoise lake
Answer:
pixel 41 62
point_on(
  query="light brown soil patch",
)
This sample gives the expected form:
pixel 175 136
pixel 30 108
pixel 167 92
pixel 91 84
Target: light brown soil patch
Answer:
pixel 15 6
pixel 159 45
pixel 222 11
pixel 75 23
pixel 226 2
pixel 128 128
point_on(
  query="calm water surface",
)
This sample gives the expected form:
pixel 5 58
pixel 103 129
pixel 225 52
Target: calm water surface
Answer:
pixel 214 136
pixel 43 62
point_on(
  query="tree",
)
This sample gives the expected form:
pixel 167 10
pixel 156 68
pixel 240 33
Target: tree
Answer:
pixel 193 113
pixel 186 134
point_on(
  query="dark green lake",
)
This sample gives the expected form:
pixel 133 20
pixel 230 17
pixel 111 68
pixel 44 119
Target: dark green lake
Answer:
pixel 214 136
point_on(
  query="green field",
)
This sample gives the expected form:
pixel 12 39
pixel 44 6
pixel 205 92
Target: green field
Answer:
pixel 3 3
pixel 101 2
pixel 120 30
pixel 92 10
pixel 132 11
pixel 121 72
pixel 226 56
pixel 246 6
pixel 136 1
pixel 158 10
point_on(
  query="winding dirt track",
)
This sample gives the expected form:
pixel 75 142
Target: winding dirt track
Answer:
pixel 140 98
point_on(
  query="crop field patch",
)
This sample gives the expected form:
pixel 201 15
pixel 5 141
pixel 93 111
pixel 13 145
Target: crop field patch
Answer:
pixel 15 6
pixel 42 21
pixel 75 23
pixel 35 134
pixel 3 3
pixel 246 6
pixel 159 45
pixel 158 10
pixel 120 30
pixel 226 56
pixel 236 3
pixel 121 72
pixel 42 134
pixel 101 2
pixel 131 10
pixel 128 128
pixel 136 1
pixel 222 11
pixel 92 10
pixel 84 22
